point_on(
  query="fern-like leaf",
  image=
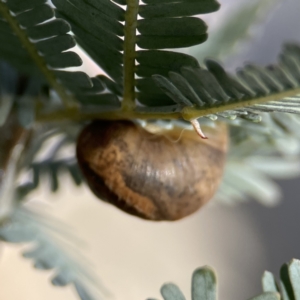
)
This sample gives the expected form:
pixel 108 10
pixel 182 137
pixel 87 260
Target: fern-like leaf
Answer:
pixel 251 91
pixel 289 283
pixel 170 82
pixel 38 44
pixel 57 160
pixel 98 28
pixel 204 287
pixel 24 226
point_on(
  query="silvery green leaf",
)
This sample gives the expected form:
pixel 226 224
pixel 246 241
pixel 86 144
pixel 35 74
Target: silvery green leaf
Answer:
pixel 204 284
pixel 267 296
pixel 252 91
pixel 171 291
pixel 294 274
pixel 46 252
pixel 269 283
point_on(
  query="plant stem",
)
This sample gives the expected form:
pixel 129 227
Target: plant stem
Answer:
pixel 129 54
pixel 187 113
pixel 74 115
pixel 67 100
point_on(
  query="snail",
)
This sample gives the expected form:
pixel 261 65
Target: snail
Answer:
pixel 149 175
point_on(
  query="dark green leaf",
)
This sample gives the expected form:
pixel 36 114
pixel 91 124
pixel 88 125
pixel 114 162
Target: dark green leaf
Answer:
pixel 171 32
pixel 52 28
pixel 56 44
pixel 74 79
pixel 21 5
pixel 165 42
pixel 178 9
pixel 214 88
pixel 171 90
pixel 35 16
pixel 162 62
pixel 64 60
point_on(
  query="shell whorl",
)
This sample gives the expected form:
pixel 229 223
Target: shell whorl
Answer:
pixel 148 175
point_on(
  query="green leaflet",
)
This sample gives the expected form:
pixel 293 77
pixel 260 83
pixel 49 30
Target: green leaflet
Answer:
pixel 171 33
pixel 55 45
pixel 63 60
pixel 289 281
pixel 252 90
pixel 182 8
pixel 269 282
pixel 162 62
pixel 204 285
pixel 47 253
pixel 52 28
pixel 267 296
pixel 171 292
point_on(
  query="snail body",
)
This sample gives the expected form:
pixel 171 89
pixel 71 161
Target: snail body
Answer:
pixel 149 175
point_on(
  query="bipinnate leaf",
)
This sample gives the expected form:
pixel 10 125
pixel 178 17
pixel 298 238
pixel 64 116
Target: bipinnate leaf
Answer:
pixel 38 44
pixel 99 28
pixel 289 285
pixel 46 252
pixel 254 89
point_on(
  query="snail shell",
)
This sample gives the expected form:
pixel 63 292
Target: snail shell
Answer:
pixel 149 175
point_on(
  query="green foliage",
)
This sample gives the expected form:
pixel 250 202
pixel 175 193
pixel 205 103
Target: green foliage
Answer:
pixel 53 164
pixel 204 285
pixel 99 35
pixel 215 90
pixel 48 253
pixel 259 153
pixel 168 81
pixel 40 46
pixel 288 285
pixel 150 83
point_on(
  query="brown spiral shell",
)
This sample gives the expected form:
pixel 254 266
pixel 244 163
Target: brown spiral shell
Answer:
pixel 149 175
